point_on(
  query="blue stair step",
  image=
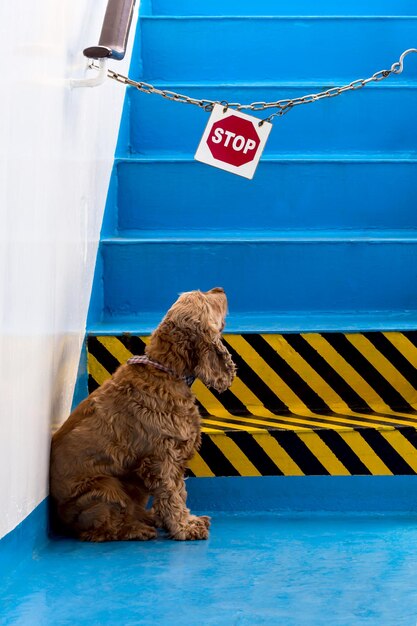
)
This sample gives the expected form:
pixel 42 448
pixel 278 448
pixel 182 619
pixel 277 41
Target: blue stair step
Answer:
pixel 287 322
pixel 277 7
pixel 376 119
pixel 331 272
pixel 352 193
pixel 258 48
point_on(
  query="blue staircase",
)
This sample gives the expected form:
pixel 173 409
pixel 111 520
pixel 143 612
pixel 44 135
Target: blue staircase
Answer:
pixel 324 237
pixel 317 254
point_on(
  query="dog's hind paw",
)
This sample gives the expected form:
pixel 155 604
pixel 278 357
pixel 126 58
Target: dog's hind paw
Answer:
pixel 139 532
pixel 129 532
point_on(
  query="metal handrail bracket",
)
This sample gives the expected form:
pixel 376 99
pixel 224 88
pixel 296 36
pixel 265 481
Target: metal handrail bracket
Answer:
pixel 112 43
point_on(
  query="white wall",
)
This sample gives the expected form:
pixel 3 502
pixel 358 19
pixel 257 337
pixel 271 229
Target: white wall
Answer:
pixel 57 147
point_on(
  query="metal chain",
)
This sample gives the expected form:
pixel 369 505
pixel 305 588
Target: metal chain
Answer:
pixel 283 106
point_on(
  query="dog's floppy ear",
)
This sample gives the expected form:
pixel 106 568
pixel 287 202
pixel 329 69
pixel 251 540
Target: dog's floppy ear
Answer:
pixel 215 366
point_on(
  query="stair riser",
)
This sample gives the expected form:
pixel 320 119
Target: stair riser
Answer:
pixel 219 457
pixel 263 48
pixel 370 120
pixel 270 276
pixel 300 404
pixel 283 196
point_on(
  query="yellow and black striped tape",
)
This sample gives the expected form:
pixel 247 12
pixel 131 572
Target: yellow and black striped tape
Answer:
pixel 302 404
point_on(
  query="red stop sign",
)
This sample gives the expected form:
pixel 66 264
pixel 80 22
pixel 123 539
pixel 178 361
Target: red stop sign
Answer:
pixel 233 140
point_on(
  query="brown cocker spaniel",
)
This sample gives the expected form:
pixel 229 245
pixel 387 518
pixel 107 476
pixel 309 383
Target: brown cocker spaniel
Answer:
pixel 133 437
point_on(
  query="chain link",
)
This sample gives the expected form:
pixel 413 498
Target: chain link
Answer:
pixel 283 106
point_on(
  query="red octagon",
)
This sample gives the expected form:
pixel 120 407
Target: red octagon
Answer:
pixel 233 140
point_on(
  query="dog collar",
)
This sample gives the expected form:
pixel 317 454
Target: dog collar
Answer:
pixel 145 360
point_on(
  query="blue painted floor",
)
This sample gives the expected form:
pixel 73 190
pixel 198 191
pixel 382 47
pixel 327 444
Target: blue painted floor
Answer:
pixel 298 569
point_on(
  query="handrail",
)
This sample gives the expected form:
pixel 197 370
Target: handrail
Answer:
pixel 115 31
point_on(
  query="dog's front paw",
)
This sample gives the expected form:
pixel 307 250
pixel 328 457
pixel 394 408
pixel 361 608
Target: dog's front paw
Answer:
pixel 204 519
pixel 194 528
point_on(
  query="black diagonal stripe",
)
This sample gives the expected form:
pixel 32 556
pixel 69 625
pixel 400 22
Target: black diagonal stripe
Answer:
pixel 342 451
pixel 255 453
pixel 348 351
pixel 102 355
pixel 92 384
pixel 410 433
pixel 299 452
pixel 332 378
pixel 230 402
pixel 394 356
pixel 310 398
pixel 411 336
pixel 215 459
pixel 133 343
pixel 385 451
pixel 268 398
pixel 202 409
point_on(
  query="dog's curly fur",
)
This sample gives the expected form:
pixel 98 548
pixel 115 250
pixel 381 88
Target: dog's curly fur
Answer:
pixel 133 437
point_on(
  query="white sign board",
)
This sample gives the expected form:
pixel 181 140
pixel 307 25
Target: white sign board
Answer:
pixel 233 141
